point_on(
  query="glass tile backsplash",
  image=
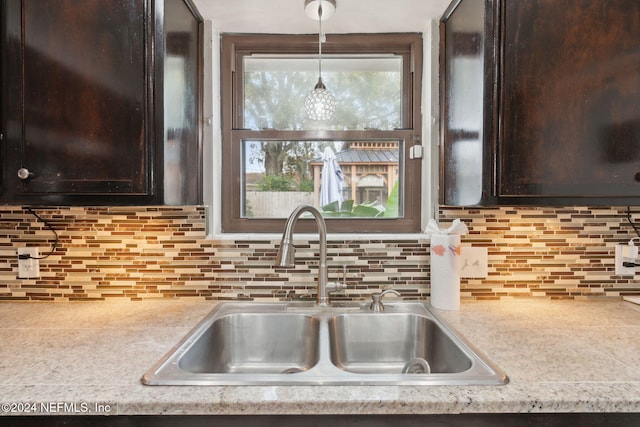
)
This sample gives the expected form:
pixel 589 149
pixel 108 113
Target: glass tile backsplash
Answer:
pixel 137 253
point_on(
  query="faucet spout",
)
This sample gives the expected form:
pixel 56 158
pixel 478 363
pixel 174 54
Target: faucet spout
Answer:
pixel 286 251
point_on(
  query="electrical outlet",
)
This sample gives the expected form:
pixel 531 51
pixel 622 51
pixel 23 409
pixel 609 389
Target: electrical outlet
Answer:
pixel 28 268
pixel 474 263
pixel 619 259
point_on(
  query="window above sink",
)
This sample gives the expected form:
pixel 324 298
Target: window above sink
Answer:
pixel 272 156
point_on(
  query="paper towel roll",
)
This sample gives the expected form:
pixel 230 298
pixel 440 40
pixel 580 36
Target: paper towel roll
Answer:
pixel 445 271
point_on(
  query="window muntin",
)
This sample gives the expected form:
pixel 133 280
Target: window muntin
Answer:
pixel 242 130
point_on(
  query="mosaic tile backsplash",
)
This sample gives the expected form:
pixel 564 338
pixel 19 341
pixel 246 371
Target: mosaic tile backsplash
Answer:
pixel 139 253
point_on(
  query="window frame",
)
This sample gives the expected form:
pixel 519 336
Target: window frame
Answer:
pixel 234 47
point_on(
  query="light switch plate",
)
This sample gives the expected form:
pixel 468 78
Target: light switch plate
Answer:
pixel 474 263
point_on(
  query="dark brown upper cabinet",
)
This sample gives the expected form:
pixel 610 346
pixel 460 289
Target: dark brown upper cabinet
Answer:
pixel 468 100
pixel 100 102
pixel 541 102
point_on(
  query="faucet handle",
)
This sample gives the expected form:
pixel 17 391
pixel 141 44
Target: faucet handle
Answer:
pixel 338 285
pixel 376 303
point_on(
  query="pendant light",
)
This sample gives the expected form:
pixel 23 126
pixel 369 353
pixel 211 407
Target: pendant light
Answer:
pixel 320 103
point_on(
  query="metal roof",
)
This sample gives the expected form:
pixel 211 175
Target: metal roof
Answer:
pixel 364 156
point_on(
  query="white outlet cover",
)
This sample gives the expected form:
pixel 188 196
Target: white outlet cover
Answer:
pixel 28 268
pixel 620 270
pixel 474 263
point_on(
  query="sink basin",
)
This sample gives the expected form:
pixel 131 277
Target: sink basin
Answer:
pixel 393 343
pixel 252 343
pixel 292 343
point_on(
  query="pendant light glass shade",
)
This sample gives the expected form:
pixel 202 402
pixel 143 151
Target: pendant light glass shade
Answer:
pixel 320 103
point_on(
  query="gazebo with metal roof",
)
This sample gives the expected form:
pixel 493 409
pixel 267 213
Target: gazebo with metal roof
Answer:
pixel 370 170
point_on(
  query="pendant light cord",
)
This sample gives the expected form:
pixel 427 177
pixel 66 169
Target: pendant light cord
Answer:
pixel 320 41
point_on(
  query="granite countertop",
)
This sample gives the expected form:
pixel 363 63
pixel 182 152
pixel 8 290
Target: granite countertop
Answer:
pixel 88 357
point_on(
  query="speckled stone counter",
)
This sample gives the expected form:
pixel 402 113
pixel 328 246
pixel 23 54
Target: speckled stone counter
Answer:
pixel 88 357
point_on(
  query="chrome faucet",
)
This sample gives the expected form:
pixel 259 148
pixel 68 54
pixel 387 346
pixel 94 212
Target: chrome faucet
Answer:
pixel 287 252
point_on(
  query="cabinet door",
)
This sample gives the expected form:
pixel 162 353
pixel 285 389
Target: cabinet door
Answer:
pixel 468 76
pixel 181 84
pixel 80 80
pixel 570 119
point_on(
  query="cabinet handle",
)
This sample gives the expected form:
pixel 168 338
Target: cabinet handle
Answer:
pixel 23 173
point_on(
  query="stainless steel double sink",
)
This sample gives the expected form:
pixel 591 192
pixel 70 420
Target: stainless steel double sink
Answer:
pixel 342 344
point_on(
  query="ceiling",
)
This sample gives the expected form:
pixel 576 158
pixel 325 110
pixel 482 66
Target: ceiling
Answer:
pixel 351 16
